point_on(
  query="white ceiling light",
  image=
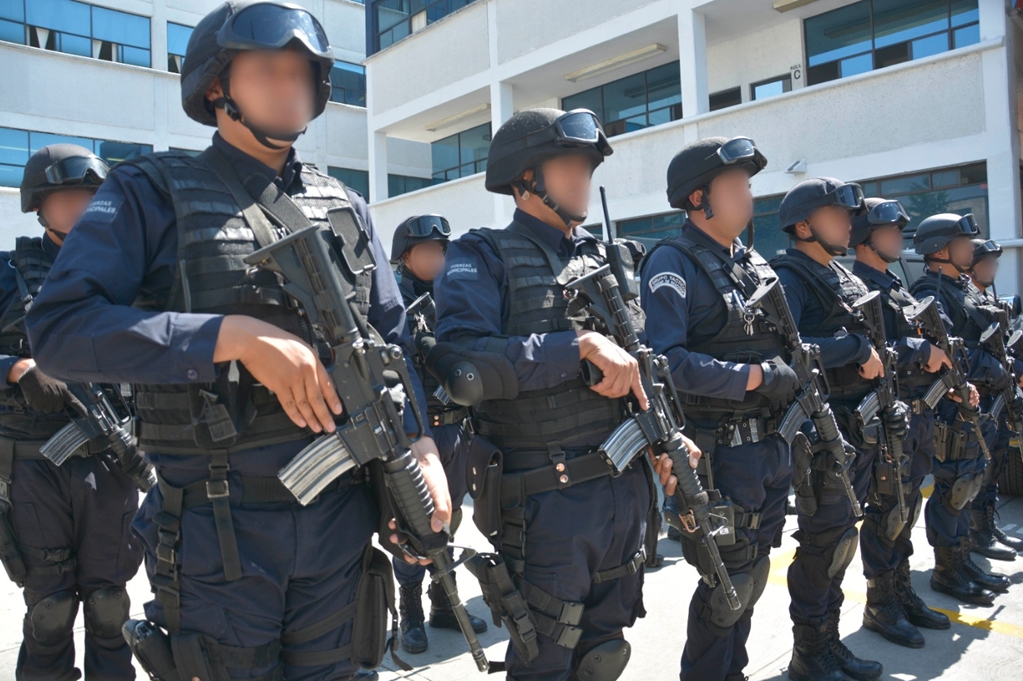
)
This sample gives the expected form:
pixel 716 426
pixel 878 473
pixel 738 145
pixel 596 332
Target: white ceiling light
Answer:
pixel 615 62
pixel 786 5
pixel 460 116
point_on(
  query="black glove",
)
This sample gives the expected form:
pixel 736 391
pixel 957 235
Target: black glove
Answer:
pixel 45 394
pixel 896 420
pixel 780 382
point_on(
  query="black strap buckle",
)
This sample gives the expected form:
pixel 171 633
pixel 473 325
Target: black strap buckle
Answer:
pixel 217 489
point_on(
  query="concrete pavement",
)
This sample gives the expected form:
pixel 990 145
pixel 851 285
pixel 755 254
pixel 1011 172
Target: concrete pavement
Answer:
pixel 984 644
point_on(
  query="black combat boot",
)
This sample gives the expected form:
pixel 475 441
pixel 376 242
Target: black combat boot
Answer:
pixel 950 577
pixel 983 539
pixel 1003 538
pixel 442 615
pixel 996 583
pixel 366 675
pixel 917 611
pixel 812 658
pixel 861 670
pixel 413 622
pixel 885 615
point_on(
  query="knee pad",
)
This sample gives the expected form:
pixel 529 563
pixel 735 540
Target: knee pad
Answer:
pixel 106 610
pixel 845 551
pixel 964 489
pixel 605 662
pixel 892 525
pixel 749 586
pixel 51 620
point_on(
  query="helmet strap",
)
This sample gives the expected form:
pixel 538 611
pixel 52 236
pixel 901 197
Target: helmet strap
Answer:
pixel 831 249
pixel 705 202
pixel 262 136
pixel 881 254
pixel 948 261
pixel 539 188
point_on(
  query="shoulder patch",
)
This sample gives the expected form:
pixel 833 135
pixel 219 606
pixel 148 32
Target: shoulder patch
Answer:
pixel 102 209
pixel 461 269
pixel 669 279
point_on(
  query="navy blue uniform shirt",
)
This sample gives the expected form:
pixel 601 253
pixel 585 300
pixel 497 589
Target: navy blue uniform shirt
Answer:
pixel 82 326
pixel 836 351
pixel 472 301
pixel 911 351
pixel 673 314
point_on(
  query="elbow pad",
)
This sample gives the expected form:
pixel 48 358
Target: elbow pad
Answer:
pixel 471 376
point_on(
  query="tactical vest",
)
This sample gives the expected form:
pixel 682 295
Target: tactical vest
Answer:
pixel 744 338
pixel 212 277
pixel 912 381
pixel 970 311
pixel 439 413
pixel 31 264
pixel 543 419
pixel 836 289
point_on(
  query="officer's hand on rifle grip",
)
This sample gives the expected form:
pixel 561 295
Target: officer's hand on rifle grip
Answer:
pixel 621 371
pixel 425 451
pixel 285 365
pixel 873 367
pixel 937 360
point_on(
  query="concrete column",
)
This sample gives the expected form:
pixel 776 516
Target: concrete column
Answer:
pixel 377 165
pixel 692 47
pixel 1003 145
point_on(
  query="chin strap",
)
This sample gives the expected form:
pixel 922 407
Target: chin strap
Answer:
pixel 948 261
pixel 831 249
pixel 262 136
pixel 881 254
pixel 540 189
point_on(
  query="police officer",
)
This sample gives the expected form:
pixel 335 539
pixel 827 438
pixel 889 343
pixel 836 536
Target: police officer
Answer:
pixel 944 241
pixel 570 535
pixel 417 252
pixel 248 583
pixel 816 214
pixel 64 529
pixel 894 609
pixel 694 288
pixel 986 537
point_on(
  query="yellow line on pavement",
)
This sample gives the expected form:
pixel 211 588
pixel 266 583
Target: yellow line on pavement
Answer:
pixel 781 561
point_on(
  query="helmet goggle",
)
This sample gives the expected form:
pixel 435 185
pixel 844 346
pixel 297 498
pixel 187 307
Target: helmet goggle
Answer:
pixel 272 27
pixel 426 225
pixel 888 213
pixel 73 170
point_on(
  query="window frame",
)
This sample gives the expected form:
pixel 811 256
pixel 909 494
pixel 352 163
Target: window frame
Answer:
pixel 475 164
pixel 610 126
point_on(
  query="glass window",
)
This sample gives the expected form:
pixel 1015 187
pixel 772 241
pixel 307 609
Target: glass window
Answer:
pixel 725 99
pixel 653 228
pixel 59 15
pixel 394 19
pixel 12 9
pixel 461 154
pixel 12 32
pixel 120 27
pixel 771 88
pixel 634 102
pixel 872 34
pixel 403 184
pixel 177 43
pixel 17 145
pixel 356 179
pixel 348 84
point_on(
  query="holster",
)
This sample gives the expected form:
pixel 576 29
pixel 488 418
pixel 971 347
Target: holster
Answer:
pixel 374 600
pixel 506 602
pixel 483 473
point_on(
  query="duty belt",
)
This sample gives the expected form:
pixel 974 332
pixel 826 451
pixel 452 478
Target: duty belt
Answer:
pixel 446 418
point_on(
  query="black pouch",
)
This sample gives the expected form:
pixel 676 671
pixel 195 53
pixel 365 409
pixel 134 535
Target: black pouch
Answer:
pixel 374 601
pixel 483 474
pixel 886 474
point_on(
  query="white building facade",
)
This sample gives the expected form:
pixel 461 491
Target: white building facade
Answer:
pixel 103 73
pixel 915 99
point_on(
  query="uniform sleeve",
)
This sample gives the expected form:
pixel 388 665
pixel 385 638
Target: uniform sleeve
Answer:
pixel 836 351
pixel 8 291
pixel 911 352
pixel 82 326
pixel 670 284
pixel 387 315
pixel 470 305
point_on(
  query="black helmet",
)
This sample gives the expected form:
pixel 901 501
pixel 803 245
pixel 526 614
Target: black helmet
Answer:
pixel 700 162
pixel 817 192
pixel 59 167
pixel 240 25
pixel 417 229
pixel 877 213
pixel 530 138
pixel 935 232
pixel 984 248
